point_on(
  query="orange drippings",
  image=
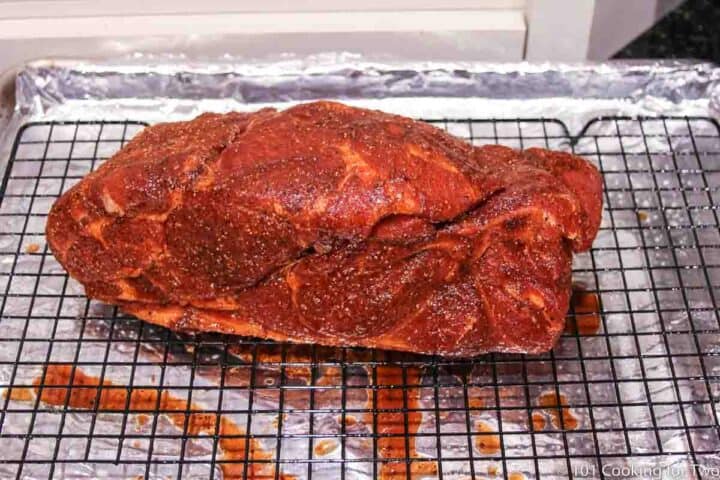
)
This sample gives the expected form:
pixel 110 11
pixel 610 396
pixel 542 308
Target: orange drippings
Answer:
pixel 349 420
pixel 273 357
pixel 642 215
pixel 421 468
pixel 551 402
pixel 323 447
pixel 331 377
pixel 86 394
pixel 586 306
pixel 393 423
pixel 368 415
pixel 32 248
pixel 276 420
pixel 19 394
pixel 142 419
pixel 492 470
pixel 517 476
pixel 474 400
pixel 487 444
pixel 538 421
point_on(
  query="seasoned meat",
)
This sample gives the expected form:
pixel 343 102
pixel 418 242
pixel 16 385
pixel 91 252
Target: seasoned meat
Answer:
pixel 333 225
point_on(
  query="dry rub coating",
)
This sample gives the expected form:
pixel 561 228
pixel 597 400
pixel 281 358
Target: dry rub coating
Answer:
pixel 334 225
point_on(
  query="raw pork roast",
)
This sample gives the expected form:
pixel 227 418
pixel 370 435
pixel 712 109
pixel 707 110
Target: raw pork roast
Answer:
pixel 333 225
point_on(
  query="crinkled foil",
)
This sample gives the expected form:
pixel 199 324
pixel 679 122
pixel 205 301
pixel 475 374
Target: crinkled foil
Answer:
pixel 153 89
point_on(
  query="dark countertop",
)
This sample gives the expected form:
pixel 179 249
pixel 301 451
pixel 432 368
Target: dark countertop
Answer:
pixel 691 31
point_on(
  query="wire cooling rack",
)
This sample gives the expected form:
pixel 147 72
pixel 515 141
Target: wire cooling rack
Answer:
pixel 642 390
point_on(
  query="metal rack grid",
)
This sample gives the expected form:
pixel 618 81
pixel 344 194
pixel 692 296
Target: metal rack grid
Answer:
pixel 644 387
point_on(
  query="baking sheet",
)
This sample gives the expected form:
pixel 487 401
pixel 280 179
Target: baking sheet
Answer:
pixel 148 89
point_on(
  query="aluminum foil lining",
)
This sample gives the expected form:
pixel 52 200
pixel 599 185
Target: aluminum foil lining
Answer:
pixel 161 88
pixel 152 89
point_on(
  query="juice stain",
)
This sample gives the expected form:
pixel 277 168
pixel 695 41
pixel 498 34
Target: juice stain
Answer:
pixel 394 440
pixel 487 443
pixel 64 385
pixel 554 404
pixel 517 476
pixel 538 421
pixel 19 394
pixel 296 363
pixel 349 420
pixel 323 447
pixel 586 305
pixel 475 399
